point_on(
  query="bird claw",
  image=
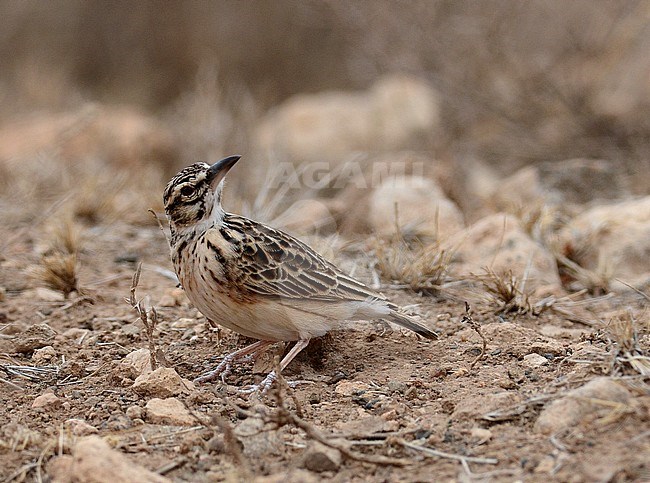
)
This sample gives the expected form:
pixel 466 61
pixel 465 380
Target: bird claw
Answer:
pixel 223 370
pixel 262 387
pixel 266 384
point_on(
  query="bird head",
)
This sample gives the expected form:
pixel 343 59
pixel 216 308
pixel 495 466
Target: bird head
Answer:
pixel 193 196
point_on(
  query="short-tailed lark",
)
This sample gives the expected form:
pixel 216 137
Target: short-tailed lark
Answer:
pixel 257 280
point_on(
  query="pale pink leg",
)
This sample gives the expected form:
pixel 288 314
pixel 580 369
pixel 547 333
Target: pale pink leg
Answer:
pixel 268 380
pixel 223 369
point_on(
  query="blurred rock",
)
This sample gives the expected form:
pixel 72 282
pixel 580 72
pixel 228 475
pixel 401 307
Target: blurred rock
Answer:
pixel 164 382
pixel 576 407
pixel 135 412
pixel 612 239
pixel 35 337
pixel 561 332
pixel 135 364
pixel 48 400
pixel 48 295
pixel 169 411
pixel 79 427
pixel 44 355
pixel 474 183
pixel 534 361
pixel 478 405
pixel 499 243
pixel 480 435
pixel 514 339
pixel 422 208
pixel 307 216
pixel 397 112
pixel 257 442
pixel 360 427
pixel 290 476
pixel 119 135
pixel 172 298
pixel 318 458
pixel 350 388
pixel 352 204
pixel 76 333
pixel 574 181
pixel 94 461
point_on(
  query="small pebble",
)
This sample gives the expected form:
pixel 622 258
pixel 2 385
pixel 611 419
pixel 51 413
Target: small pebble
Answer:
pixel 319 458
pixel 47 400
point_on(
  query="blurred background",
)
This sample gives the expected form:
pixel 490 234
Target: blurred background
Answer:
pixel 476 89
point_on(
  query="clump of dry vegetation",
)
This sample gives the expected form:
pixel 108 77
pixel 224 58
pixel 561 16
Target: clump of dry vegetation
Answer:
pixel 421 267
pixel 542 222
pixel 506 292
pixel 539 220
pixel 596 282
pixel 58 268
pixel 59 272
pixel 628 337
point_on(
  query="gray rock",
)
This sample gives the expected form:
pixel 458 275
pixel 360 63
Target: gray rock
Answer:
pixel 500 243
pixel 397 112
pixel 257 441
pixel 614 239
pixel 94 461
pixel 163 382
pixel 319 457
pixel 169 411
pixel 579 404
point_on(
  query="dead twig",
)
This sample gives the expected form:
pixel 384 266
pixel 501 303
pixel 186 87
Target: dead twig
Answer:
pixel 171 466
pixel 518 409
pixel 441 454
pixel 9 383
pixel 467 319
pixel 281 416
pixel 31 373
pixel 21 473
pixel 160 225
pixel 149 317
pixel 315 434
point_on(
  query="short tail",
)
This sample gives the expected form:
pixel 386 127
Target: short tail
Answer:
pixel 408 323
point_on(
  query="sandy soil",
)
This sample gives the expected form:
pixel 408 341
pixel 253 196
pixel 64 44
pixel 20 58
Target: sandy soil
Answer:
pixel 377 391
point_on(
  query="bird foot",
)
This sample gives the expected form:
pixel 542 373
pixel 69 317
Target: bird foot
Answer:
pixel 266 384
pixel 223 370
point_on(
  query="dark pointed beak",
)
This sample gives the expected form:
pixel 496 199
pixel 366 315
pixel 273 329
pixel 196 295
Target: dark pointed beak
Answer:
pixel 218 170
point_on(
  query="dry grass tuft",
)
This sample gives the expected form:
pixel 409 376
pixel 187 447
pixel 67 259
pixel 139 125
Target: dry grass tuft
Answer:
pixel 94 202
pixel 507 292
pixel 66 236
pixel 573 255
pixel 627 349
pixel 538 219
pixel 59 265
pixel 596 282
pixel 59 272
pixel 421 267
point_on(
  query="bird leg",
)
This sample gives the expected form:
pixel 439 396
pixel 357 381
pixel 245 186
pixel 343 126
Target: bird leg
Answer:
pixel 268 380
pixel 223 369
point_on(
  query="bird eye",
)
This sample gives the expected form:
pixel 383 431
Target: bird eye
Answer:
pixel 187 190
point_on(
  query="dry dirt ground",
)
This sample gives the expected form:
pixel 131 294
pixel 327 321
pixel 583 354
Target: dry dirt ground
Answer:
pixel 378 395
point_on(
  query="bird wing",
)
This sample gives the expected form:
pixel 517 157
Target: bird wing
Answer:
pixel 272 263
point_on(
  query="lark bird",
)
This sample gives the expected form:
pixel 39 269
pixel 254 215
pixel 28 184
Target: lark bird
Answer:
pixel 257 280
